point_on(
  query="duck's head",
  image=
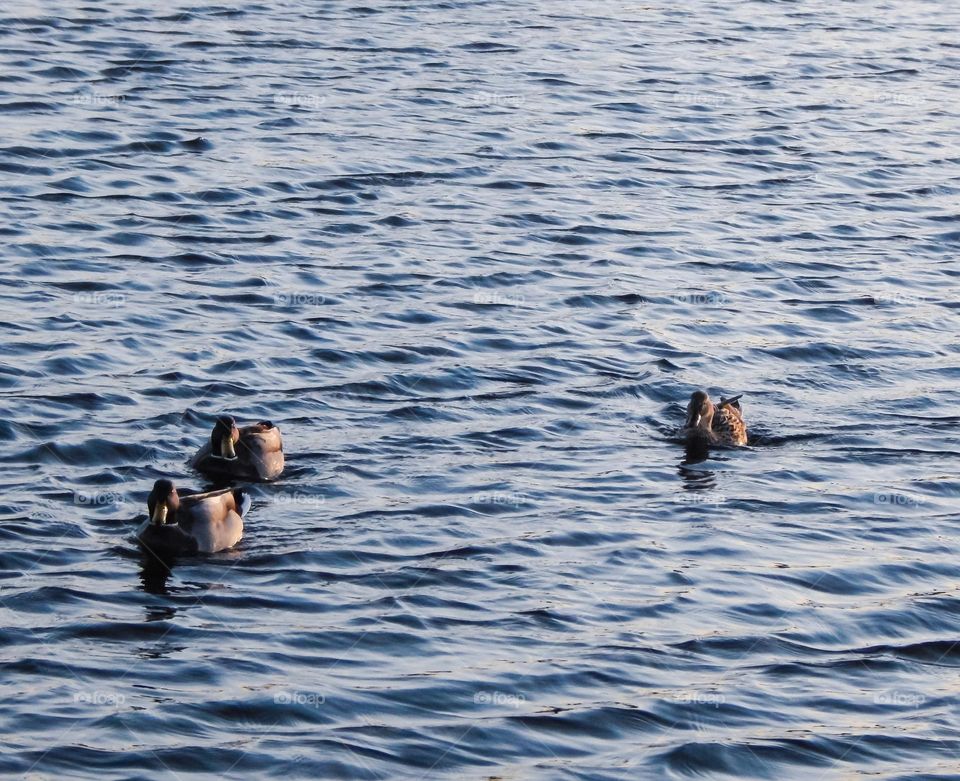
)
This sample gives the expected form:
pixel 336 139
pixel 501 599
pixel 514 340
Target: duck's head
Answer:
pixel 225 435
pixel 163 502
pixel 699 411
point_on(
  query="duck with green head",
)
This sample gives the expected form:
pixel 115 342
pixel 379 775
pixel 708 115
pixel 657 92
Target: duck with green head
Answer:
pixel 249 453
pixel 192 523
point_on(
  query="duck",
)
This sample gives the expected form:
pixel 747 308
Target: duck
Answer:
pixel 193 523
pixel 249 453
pixel 716 424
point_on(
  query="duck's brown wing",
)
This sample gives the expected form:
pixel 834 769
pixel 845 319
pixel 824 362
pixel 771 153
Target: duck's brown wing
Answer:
pixel 728 426
pixel 261 448
pixel 214 519
pixel 263 427
pixel 188 499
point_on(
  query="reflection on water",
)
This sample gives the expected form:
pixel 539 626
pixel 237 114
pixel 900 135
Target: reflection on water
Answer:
pixel 154 574
pixel 695 452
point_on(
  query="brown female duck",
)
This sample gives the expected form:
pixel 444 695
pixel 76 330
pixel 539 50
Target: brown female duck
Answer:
pixel 716 424
pixel 249 453
pixel 193 523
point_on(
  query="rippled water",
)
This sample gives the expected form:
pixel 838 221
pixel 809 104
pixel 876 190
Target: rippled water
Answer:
pixel 473 257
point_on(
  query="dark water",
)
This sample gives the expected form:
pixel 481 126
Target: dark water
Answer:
pixel 472 257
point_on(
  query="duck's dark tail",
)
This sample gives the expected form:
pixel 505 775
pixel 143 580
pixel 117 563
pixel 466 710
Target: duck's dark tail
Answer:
pixel 732 402
pixel 243 500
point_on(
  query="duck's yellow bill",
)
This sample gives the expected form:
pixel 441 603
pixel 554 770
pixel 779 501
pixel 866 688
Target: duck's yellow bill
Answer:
pixel 226 448
pixel 160 514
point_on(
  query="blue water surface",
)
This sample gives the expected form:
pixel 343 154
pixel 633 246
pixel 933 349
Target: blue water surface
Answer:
pixel 472 258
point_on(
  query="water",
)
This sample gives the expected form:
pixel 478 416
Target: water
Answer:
pixel 473 257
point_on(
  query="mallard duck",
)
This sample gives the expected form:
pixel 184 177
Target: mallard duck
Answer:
pixel 718 424
pixel 193 523
pixel 249 453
